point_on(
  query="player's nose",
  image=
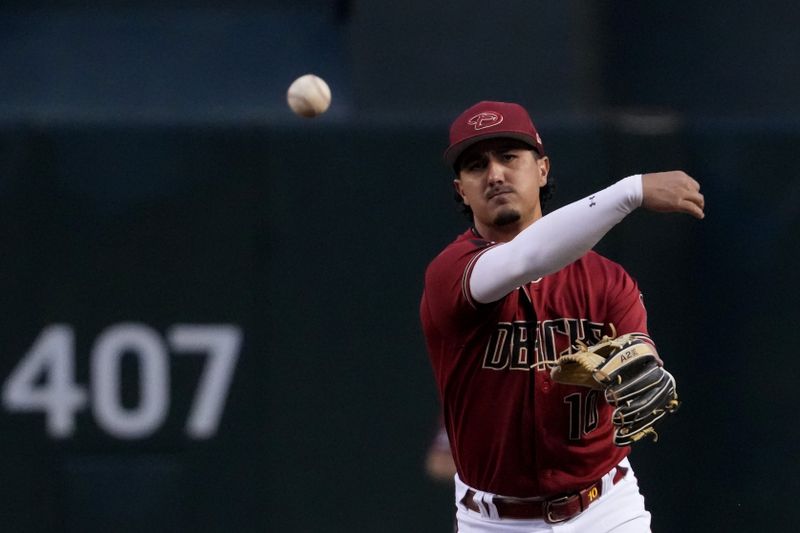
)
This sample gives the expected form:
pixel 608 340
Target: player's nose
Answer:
pixel 495 172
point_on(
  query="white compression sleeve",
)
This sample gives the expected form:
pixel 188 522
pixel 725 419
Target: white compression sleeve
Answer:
pixel 553 241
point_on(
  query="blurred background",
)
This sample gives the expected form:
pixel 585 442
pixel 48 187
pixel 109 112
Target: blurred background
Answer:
pixel 209 305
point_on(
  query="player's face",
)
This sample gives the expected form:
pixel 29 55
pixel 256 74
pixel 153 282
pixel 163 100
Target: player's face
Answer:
pixel 499 179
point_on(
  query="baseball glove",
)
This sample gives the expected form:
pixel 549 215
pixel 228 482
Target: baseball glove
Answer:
pixel 627 368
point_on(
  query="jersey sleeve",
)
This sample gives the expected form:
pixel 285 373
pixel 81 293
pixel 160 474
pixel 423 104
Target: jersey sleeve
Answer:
pixel 625 304
pixel 447 301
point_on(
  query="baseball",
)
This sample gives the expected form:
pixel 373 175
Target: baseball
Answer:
pixel 309 96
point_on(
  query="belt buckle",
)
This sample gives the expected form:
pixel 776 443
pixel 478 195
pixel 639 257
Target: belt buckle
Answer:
pixel 548 517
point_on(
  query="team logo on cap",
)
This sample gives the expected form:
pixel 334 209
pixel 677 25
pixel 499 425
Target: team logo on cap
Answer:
pixel 486 119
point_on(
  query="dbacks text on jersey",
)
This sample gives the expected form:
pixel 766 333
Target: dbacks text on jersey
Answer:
pixel 526 345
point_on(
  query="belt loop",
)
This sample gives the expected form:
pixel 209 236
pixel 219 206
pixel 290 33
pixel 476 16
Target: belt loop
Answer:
pixel 478 499
pixel 488 504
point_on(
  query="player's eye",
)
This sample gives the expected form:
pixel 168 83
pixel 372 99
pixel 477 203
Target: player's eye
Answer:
pixel 474 165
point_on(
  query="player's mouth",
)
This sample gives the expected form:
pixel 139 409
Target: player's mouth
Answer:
pixel 498 192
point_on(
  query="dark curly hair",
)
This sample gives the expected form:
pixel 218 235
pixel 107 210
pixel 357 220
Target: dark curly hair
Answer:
pixel 545 193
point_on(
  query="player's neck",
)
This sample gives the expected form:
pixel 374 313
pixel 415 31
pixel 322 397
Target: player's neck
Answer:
pixel 498 234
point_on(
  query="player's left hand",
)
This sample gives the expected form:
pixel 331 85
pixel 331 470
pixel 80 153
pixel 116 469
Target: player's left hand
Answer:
pixel 629 370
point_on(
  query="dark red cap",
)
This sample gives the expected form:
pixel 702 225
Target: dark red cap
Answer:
pixel 489 120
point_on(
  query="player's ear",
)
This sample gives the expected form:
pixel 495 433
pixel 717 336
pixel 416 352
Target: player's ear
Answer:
pixel 543 163
pixel 460 190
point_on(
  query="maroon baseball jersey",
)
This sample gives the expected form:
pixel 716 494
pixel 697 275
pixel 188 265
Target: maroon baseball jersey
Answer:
pixel 514 431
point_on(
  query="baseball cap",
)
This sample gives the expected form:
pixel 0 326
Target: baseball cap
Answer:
pixel 489 120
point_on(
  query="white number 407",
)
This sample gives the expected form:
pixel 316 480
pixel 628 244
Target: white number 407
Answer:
pixel 44 380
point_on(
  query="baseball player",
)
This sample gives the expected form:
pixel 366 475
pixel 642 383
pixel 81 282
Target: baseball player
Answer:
pixel 502 303
pixel 439 460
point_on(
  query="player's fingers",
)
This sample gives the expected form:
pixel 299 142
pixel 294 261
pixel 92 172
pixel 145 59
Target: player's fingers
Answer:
pixel 693 208
pixel 697 198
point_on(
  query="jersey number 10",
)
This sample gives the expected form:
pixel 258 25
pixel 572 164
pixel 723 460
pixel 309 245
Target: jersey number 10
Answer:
pixel 583 415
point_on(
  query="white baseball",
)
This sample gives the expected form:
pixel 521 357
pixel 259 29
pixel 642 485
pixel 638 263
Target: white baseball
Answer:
pixel 309 96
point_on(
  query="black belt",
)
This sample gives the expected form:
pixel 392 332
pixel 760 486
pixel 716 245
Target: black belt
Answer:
pixel 552 510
